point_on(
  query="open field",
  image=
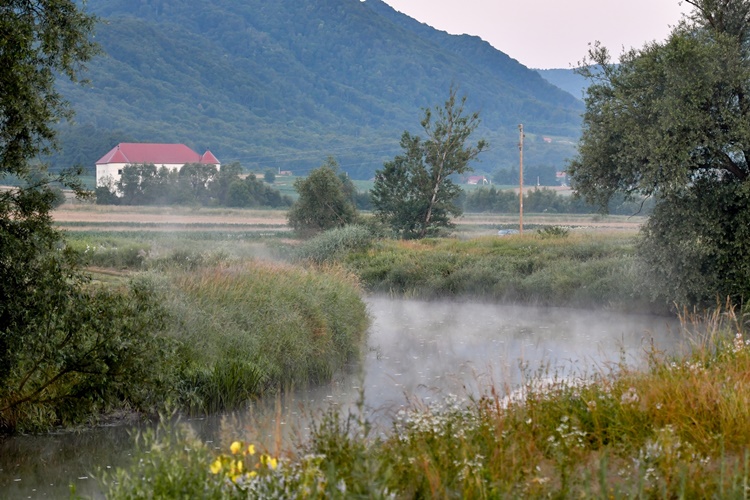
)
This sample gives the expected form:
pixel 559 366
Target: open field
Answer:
pixel 86 217
pixel 83 217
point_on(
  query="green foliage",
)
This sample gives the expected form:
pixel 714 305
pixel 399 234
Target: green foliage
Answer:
pixel 171 463
pixel 671 120
pixel 41 41
pixel 696 245
pixel 579 270
pixel 251 192
pixel 51 354
pixel 324 202
pixel 193 184
pixel 548 232
pixel 544 200
pixel 333 244
pixel 269 176
pixel 414 193
pixel 244 329
pixel 80 353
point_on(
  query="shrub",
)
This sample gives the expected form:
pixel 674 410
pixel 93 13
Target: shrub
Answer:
pixel 552 232
pixel 333 244
pixel 93 351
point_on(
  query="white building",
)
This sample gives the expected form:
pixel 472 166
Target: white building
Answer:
pixel 173 156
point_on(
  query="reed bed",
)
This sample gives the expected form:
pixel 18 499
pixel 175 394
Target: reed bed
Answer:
pixel 246 328
pixel 578 269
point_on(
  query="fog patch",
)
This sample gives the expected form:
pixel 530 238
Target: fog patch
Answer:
pixel 429 349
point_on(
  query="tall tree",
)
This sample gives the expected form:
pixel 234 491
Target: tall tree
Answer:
pixel 414 193
pixel 323 202
pixel 672 120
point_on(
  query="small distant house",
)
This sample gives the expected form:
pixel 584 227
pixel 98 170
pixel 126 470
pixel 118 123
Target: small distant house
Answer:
pixel 172 156
pixel 477 179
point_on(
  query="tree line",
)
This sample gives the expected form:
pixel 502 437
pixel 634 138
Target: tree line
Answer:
pixel 194 183
pixel 545 200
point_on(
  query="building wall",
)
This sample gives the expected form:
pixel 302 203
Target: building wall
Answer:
pixel 112 172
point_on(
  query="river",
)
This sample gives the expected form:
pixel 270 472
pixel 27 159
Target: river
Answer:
pixel 428 350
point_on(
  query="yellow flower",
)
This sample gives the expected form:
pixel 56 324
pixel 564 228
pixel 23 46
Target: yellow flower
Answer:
pixel 236 447
pixel 251 449
pixel 216 466
pixel 269 461
pixel 252 473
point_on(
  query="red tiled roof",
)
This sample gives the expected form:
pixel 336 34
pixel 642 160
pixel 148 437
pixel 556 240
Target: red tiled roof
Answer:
pixel 158 154
pixel 208 157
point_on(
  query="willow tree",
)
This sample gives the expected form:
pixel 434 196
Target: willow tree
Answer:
pixel 672 121
pixel 64 353
pixel 414 194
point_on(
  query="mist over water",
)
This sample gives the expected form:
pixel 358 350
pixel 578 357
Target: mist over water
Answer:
pixel 431 348
pixel 424 350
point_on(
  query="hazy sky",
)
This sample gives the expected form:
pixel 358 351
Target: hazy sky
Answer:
pixel 550 33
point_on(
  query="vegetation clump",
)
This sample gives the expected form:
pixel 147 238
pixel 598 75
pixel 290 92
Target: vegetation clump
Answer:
pixel 333 245
pixel 326 201
pixel 246 328
pixel 581 269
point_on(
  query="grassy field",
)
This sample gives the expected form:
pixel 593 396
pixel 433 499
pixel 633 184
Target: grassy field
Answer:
pixel 75 216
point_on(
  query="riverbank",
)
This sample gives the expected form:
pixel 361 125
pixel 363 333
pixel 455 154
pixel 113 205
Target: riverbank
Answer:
pixel 674 429
pixel 196 333
pixel 552 266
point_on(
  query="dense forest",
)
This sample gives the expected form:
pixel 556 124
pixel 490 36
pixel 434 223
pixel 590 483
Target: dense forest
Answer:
pixel 285 84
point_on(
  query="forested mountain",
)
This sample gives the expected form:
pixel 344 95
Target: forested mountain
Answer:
pixel 284 84
pixel 566 79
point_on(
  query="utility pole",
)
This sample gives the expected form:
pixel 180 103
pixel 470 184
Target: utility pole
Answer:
pixel 520 181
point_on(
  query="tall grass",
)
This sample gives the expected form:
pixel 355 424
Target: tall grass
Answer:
pixel 248 327
pixel 334 244
pixel 678 429
pixel 590 270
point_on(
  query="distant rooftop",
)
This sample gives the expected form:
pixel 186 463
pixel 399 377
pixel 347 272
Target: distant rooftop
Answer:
pixel 158 154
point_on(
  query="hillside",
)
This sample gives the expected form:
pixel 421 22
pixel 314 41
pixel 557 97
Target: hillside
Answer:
pixel 285 84
pixel 566 79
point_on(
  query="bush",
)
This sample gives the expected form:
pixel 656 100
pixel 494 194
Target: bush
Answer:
pixel 323 202
pixel 91 351
pixel 334 243
pixel 547 232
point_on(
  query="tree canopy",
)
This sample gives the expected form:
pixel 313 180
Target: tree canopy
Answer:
pixel 325 201
pixel 672 120
pixel 413 194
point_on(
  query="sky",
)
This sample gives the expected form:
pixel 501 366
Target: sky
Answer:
pixel 543 34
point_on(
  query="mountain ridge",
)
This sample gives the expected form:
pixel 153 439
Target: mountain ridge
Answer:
pixel 285 84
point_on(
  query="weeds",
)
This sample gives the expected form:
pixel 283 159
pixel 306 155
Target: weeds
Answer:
pixel 579 270
pixel 250 327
